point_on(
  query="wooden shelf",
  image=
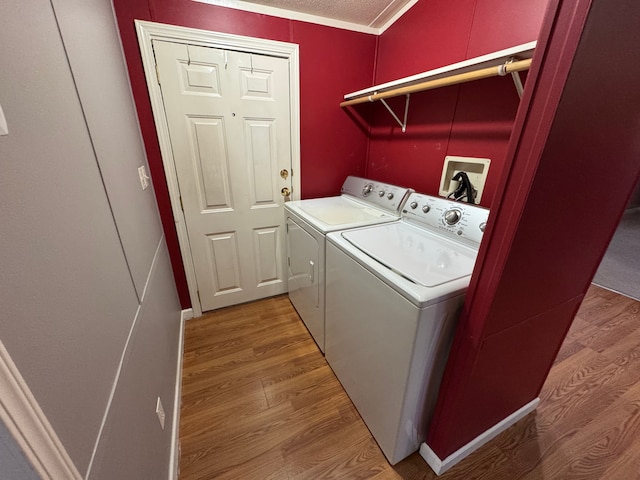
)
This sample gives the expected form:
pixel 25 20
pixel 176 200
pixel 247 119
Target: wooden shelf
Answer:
pixel 503 62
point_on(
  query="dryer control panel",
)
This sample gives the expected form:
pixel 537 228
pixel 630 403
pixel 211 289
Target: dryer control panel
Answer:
pixel 382 195
pixel 458 219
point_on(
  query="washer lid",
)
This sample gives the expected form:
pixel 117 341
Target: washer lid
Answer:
pixel 340 211
pixel 414 253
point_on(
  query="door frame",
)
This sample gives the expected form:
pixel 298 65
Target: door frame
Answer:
pixel 149 31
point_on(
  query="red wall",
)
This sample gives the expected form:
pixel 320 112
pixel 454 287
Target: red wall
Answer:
pixel 472 120
pixel 572 165
pixel 433 33
pixel 332 62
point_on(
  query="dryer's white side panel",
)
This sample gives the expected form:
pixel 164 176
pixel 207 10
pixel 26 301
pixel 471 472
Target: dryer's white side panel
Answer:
pixel 305 252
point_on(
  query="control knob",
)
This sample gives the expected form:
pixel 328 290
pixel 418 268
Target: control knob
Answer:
pixel 390 196
pixel 451 217
pixel 368 188
pixel 413 205
pixel 483 225
pixel 426 209
pixel 381 193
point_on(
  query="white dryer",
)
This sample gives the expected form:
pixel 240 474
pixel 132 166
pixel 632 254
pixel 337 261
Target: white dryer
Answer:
pixel 393 296
pixel 362 202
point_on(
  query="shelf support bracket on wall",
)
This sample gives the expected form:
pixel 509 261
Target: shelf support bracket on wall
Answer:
pixel 517 81
pixel 406 111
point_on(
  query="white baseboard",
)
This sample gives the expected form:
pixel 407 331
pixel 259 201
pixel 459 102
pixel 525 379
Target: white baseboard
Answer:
pixel 174 461
pixel 440 466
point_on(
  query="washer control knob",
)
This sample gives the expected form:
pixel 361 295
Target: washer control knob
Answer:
pixel 390 196
pixel 483 225
pixel 451 217
pixel 381 193
pixel 413 205
pixel 367 189
pixel 426 209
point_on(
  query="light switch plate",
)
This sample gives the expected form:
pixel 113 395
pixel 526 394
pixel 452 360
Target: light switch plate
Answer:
pixel 4 130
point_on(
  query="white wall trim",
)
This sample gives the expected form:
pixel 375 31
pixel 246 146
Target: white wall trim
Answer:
pixel 291 15
pixel 187 314
pixel 395 17
pixel 174 461
pixel 28 424
pixel 149 31
pixel 440 466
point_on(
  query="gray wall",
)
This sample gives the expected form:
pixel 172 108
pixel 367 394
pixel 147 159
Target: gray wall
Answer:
pixel 13 463
pixel 89 311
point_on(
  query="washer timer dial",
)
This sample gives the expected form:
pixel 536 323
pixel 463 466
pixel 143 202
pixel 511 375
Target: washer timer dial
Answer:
pixel 451 217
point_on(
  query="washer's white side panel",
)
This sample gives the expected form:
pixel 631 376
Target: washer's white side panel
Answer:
pixel 436 328
pixel 387 353
pixel 305 253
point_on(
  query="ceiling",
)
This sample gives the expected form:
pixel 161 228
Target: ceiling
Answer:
pixel 370 16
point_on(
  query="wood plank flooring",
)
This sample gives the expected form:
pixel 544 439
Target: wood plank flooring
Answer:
pixel 260 402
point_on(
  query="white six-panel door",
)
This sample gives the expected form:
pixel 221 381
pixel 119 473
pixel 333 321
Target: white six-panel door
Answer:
pixel 229 122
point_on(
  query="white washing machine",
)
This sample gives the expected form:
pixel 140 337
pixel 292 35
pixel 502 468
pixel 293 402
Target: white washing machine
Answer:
pixel 362 202
pixel 393 295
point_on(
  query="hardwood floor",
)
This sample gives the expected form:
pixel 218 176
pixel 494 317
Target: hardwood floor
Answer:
pixel 260 402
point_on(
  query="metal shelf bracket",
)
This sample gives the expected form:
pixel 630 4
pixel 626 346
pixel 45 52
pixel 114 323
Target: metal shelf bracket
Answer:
pixel 517 81
pixel 406 111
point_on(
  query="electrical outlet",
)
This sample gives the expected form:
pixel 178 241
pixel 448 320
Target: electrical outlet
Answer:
pixel 144 178
pixel 160 412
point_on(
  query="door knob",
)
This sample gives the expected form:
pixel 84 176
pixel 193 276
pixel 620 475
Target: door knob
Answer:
pixel 285 192
pixel 284 173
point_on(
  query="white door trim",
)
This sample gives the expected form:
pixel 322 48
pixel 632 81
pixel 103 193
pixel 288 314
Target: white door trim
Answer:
pixel 23 417
pixel 149 31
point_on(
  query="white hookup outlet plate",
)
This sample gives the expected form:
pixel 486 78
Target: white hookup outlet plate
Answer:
pixel 475 168
pixel 144 178
pixel 160 412
pixel 4 130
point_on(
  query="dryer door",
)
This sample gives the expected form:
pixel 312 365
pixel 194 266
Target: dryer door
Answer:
pixel 306 277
